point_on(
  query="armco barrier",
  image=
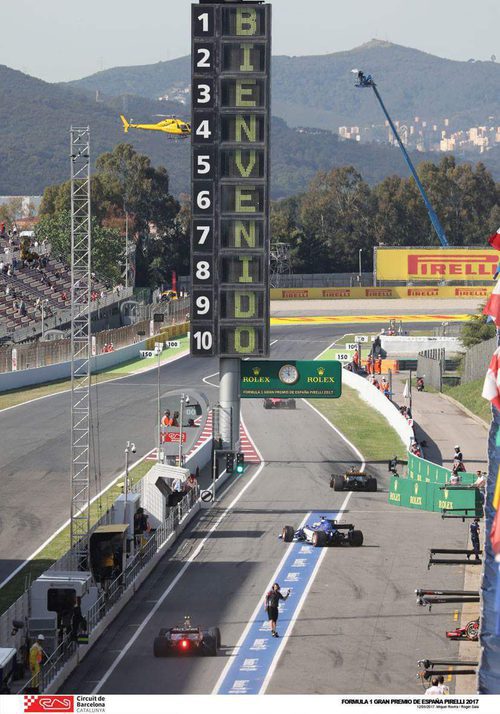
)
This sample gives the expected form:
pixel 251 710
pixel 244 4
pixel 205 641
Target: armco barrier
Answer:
pixel 480 292
pixel 427 496
pixel 374 397
pixel 54 372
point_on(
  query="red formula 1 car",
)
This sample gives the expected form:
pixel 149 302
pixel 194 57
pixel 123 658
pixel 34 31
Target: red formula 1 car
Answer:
pixel 278 403
pixel 185 640
pixel 469 632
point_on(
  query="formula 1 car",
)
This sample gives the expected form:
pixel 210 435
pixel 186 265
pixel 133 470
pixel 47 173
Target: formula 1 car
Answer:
pixel 469 632
pixel 278 403
pixel 353 480
pixel 185 640
pixel 325 532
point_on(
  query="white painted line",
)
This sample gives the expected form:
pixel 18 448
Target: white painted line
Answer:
pixel 296 613
pixel 169 360
pixel 205 379
pixel 174 582
pixel 255 613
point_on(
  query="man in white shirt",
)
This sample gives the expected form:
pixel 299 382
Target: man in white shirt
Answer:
pixel 434 689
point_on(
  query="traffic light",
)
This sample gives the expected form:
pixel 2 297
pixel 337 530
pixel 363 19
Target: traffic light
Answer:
pixel 229 463
pixel 240 463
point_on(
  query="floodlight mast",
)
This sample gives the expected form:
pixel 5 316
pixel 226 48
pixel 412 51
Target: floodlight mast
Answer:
pixel 367 81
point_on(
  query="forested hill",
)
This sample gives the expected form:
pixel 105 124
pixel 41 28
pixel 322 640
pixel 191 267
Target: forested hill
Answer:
pixel 318 90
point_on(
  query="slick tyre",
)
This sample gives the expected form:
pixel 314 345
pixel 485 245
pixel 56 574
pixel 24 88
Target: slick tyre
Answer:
pixel 472 631
pixel 338 483
pixel 160 647
pixel 372 484
pixel 214 632
pixel 287 534
pixel 267 404
pixel 319 539
pixel 209 646
pixel 355 539
pixel 291 404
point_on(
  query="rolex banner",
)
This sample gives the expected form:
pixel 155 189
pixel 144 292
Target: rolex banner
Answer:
pixel 292 379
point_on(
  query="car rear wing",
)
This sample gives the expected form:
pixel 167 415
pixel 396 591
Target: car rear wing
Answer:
pixel 343 526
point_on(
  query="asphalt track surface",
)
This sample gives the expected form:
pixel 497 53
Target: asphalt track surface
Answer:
pixel 35 454
pixel 359 630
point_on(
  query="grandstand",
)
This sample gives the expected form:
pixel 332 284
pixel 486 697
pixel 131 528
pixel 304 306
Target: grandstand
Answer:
pixel 32 281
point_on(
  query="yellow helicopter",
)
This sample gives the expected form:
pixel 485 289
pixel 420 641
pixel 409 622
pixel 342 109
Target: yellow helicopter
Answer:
pixel 173 126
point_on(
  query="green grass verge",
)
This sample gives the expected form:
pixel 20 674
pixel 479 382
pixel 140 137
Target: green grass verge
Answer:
pixel 60 544
pixel 364 426
pixel 20 396
pixel 470 396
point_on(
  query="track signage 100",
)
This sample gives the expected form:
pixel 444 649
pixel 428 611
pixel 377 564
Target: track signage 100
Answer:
pixel 231 53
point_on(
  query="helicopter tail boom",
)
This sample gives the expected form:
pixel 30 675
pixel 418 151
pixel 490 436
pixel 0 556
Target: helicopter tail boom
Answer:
pixel 125 123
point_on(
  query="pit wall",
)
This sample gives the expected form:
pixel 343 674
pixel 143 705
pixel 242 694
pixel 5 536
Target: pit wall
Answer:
pixel 383 293
pixel 374 397
pixel 108 360
pixel 423 489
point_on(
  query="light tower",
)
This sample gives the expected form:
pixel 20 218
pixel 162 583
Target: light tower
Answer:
pixel 80 344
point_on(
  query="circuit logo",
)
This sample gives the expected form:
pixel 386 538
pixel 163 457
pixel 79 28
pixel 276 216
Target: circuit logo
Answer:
pixel 47 703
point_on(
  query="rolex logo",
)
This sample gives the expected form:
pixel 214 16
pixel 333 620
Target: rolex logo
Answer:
pixel 320 371
pixel 256 371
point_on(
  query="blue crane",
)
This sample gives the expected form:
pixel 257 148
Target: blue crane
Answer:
pixel 367 81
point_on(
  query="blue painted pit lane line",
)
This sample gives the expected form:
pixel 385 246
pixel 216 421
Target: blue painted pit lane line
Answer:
pixel 251 667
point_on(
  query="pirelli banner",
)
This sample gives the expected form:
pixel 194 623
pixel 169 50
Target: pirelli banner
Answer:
pixel 424 291
pixel 430 264
pixel 231 60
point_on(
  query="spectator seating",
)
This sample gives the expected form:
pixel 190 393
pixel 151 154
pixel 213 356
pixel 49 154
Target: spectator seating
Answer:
pixel 31 282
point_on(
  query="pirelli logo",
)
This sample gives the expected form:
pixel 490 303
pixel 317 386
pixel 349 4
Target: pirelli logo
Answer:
pixel 295 293
pixel 336 293
pixel 472 292
pixel 452 265
pixel 423 292
pixel 379 292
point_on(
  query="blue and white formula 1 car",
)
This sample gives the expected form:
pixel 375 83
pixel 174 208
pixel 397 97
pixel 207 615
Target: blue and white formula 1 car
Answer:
pixel 325 532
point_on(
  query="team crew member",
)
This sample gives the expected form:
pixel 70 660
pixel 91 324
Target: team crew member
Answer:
pixel 474 536
pixel 37 654
pixel 378 366
pixel 271 604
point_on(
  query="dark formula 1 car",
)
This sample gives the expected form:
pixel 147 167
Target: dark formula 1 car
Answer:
pixel 353 480
pixel 469 632
pixel 278 403
pixel 186 640
pixel 325 532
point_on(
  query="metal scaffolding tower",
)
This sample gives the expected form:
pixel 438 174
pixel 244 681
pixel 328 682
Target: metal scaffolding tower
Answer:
pixel 281 263
pixel 80 344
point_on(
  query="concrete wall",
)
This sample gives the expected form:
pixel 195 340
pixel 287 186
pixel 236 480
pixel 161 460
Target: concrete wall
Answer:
pixel 477 360
pixel 62 370
pixel 378 401
pixel 406 345
pixel 431 366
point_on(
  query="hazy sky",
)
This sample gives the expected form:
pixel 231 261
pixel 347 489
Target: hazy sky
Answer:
pixel 63 39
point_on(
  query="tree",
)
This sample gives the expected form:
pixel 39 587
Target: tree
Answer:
pixel 107 244
pixel 336 215
pixel 477 330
